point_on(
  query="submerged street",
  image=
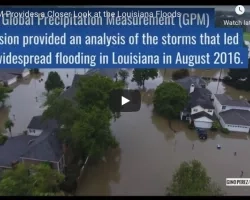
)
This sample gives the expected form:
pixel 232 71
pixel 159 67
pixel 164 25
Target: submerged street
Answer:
pixel 149 151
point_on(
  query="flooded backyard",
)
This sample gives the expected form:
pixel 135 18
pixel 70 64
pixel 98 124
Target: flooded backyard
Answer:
pixel 149 151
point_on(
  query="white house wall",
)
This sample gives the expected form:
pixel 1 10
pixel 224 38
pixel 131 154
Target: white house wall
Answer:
pixel 237 128
pixel 205 125
pixel 12 81
pixel 198 109
pixel 218 107
pixel 34 132
pixel 234 128
pixel 25 73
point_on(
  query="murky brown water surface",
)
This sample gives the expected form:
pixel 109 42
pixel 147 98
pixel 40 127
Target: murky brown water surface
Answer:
pixel 149 151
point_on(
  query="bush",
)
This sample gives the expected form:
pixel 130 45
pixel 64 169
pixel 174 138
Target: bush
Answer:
pixel 179 74
pixel 225 130
pixel 3 139
pixel 216 126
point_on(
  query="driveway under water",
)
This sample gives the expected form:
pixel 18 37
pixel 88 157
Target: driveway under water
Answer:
pixel 149 151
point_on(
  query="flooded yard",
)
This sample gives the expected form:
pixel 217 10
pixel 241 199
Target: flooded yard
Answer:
pixel 149 151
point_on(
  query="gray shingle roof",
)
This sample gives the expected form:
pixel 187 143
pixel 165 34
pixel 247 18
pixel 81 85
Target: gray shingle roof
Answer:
pixel 228 101
pixel 17 71
pixel 202 114
pixel 46 147
pixel 13 149
pixel 236 117
pixel 201 97
pixel 5 76
pixel 188 81
pixel 38 123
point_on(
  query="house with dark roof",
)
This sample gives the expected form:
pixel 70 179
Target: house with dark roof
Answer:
pixel 199 109
pixel 20 72
pixel 37 125
pixel 7 79
pixel 233 114
pixel 35 148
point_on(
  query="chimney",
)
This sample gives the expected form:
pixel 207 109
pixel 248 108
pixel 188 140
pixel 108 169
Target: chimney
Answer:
pixel 191 88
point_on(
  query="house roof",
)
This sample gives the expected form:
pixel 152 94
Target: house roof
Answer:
pixel 228 101
pixel 17 71
pixel 13 149
pixel 70 93
pixel 200 97
pixel 5 76
pixel 188 81
pixel 45 147
pixel 236 117
pixel 37 122
pixel 202 114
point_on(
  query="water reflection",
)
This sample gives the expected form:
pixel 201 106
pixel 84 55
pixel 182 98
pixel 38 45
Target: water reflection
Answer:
pixel 107 175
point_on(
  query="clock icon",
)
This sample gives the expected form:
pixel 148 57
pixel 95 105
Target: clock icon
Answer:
pixel 240 10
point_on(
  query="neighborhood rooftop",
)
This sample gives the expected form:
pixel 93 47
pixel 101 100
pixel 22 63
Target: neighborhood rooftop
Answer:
pixel 4 76
pixel 239 117
pixel 201 97
pixel 46 147
pixel 37 122
pixel 228 101
pixel 188 81
pixel 12 70
pixel 13 148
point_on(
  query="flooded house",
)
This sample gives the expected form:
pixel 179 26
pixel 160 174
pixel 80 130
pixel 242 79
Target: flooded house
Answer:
pixel 7 79
pixel 19 72
pixel 34 148
pixel 200 109
pixel 233 114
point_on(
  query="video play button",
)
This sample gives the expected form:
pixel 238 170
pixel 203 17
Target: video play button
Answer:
pixel 125 100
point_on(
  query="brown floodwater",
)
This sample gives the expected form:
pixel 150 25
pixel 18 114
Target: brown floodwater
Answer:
pixel 149 151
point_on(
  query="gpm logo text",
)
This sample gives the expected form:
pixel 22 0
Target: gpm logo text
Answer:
pixel 194 19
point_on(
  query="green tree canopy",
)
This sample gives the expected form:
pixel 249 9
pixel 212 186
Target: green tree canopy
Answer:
pixel 33 181
pixel 91 134
pixel 191 179
pixel 86 120
pixel 170 99
pixel 95 91
pixel 141 75
pixel 180 73
pixel 53 81
pixel 8 125
pixel 4 93
pixel 236 76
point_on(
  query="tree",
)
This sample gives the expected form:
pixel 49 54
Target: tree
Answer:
pixel 95 91
pixel 60 109
pixel 8 125
pixel 170 99
pixel 53 81
pixel 191 179
pixel 123 74
pixel 91 134
pixel 86 122
pixel 4 94
pixel 179 74
pixel 30 181
pixel 235 77
pixel 141 75
pixel 34 71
